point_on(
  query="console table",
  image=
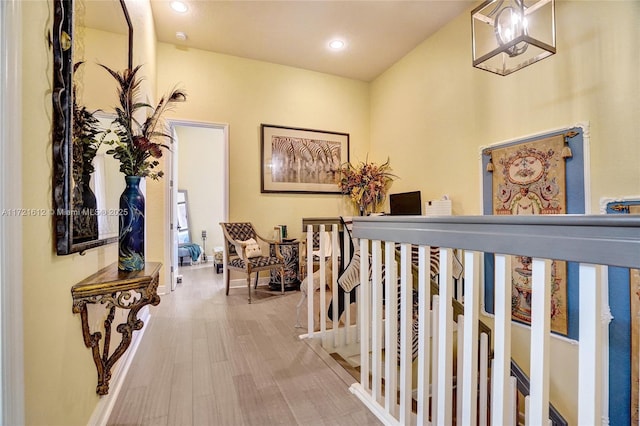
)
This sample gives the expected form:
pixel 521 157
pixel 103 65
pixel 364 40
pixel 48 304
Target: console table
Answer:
pixel 290 250
pixel 115 289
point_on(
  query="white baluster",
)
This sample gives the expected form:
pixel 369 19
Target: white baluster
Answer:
pixel 502 349
pixel 460 377
pixel 334 286
pixel 323 286
pixel 513 399
pixel 406 319
pixel 435 341
pixel 445 344
pixel 364 310
pixel 350 337
pixel 310 291
pixel 483 391
pixel 470 362
pixel 589 352
pixel 539 346
pixel 376 320
pixel 391 330
pixel 424 333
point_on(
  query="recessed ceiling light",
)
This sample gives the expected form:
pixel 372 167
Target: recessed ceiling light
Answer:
pixel 337 44
pixel 182 36
pixel 179 6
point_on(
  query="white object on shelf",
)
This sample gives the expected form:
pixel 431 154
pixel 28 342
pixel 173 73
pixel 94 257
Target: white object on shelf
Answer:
pixel 437 207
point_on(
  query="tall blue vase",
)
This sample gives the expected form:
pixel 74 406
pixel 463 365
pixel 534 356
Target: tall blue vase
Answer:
pixel 131 241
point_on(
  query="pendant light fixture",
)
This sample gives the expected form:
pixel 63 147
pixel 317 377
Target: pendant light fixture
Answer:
pixel 508 35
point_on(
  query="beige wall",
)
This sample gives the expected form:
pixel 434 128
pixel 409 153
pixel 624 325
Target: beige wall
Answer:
pixel 436 111
pixel 60 377
pixel 245 93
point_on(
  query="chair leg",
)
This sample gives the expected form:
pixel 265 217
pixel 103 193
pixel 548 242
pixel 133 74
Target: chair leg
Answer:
pixel 228 279
pixel 256 284
pixel 249 286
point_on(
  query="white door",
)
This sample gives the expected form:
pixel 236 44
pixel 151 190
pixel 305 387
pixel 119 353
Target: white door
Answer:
pixel 173 197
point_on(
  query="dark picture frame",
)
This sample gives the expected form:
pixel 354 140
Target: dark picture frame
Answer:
pixel 303 161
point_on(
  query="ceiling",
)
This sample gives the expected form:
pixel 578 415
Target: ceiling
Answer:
pixel 297 32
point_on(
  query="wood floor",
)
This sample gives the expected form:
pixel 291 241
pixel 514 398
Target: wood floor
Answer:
pixel 211 359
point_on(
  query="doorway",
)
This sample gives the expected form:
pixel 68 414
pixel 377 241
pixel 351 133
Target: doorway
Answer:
pixel 199 167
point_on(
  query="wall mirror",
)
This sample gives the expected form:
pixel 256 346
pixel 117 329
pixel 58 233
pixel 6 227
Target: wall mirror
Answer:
pixel 184 232
pixel 85 187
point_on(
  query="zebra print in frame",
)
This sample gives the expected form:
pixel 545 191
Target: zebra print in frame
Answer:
pixel 301 160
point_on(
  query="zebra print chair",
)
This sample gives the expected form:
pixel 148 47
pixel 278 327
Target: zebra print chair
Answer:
pixel 238 258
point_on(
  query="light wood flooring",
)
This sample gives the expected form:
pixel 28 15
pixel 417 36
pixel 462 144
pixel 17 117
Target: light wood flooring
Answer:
pixel 210 359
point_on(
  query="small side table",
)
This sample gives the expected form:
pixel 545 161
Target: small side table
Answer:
pixel 114 289
pixel 218 257
pixel 291 252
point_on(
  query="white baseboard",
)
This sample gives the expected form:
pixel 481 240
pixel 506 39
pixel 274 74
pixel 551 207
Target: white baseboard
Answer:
pixel 105 405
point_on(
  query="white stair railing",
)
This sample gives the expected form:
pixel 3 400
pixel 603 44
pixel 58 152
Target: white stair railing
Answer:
pixel 593 242
pixel 341 335
pixel 387 384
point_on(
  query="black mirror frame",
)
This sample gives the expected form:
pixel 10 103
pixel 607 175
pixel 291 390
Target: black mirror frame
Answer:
pixel 62 114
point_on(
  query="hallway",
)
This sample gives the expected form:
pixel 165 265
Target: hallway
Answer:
pixel 209 359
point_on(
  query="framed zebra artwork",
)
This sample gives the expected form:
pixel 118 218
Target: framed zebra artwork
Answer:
pixel 301 160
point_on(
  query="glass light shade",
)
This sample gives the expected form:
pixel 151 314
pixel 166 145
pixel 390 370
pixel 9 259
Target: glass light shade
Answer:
pixel 336 44
pixel 179 6
pixel 510 34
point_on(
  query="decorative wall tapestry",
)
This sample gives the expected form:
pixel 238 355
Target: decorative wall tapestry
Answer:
pixel 529 178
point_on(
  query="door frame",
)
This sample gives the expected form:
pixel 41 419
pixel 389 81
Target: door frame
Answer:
pixel 11 313
pixel 172 188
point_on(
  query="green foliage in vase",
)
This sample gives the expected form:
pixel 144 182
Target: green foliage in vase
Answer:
pixel 139 145
pixel 87 136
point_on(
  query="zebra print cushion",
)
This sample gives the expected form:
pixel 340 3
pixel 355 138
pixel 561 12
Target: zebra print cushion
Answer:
pixel 350 277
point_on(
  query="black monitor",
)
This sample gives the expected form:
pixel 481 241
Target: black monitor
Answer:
pixel 405 203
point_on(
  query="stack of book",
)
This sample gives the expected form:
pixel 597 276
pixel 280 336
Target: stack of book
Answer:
pixel 280 233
